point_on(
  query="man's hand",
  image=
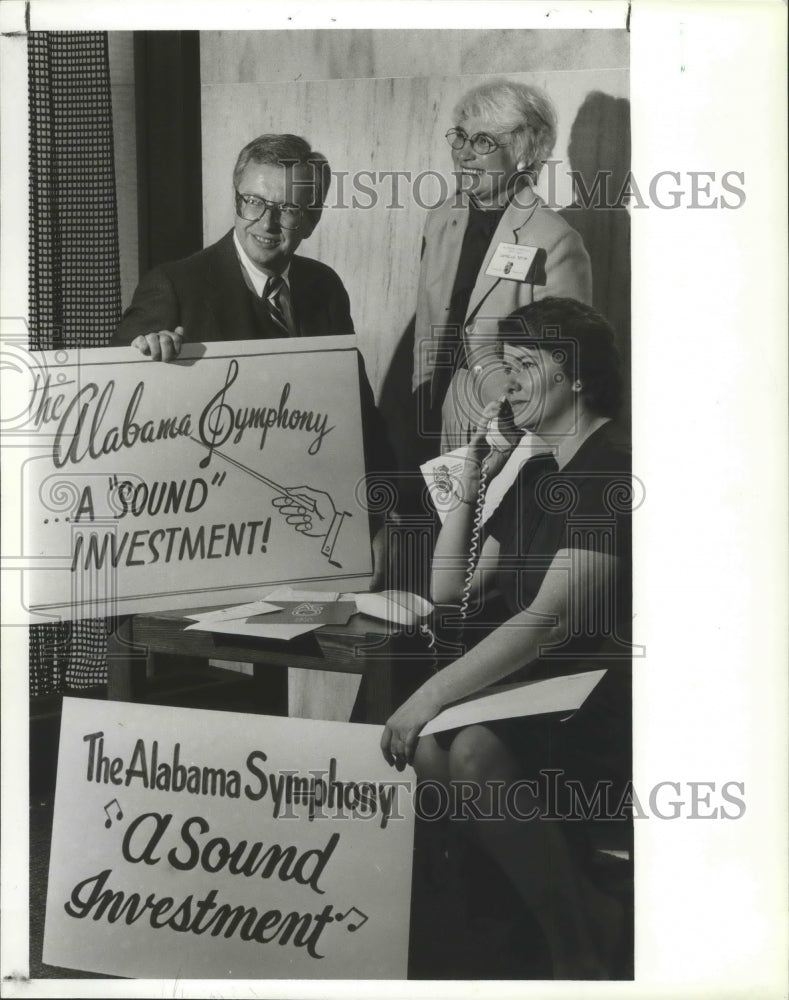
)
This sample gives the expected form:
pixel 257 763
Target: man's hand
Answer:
pixel 162 346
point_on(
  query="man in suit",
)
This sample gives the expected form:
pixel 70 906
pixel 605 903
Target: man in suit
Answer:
pixel 251 284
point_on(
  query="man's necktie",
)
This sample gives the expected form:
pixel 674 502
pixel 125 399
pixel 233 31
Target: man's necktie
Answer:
pixel 271 295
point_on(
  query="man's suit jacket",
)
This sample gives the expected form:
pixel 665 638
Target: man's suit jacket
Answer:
pixel 561 267
pixel 206 294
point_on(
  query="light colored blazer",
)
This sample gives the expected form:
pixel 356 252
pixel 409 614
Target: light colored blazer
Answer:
pixel 562 268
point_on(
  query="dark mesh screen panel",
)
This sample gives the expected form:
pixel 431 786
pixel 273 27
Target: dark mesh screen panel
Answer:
pixel 74 267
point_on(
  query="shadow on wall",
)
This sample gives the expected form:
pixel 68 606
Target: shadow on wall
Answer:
pixel 599 155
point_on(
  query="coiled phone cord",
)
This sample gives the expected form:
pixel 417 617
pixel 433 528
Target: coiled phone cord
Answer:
pixel 476 535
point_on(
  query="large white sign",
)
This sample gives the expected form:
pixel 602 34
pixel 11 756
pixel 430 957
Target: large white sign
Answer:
pixel 152 486
pixel 197 844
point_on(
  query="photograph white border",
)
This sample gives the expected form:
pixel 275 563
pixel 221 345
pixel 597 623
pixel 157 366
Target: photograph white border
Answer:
pixel 709 422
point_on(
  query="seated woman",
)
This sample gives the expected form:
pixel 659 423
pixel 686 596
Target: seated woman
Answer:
pixel 502 133
pixel 558 550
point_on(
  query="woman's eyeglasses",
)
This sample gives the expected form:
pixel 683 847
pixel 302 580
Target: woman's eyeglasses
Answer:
pixel 481 142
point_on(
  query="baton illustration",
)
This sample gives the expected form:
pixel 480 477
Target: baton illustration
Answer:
pixel 307 502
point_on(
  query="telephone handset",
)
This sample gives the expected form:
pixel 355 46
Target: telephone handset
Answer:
pixel 502 433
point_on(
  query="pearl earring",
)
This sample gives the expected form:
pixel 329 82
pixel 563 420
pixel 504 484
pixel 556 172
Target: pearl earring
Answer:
pixel 577 386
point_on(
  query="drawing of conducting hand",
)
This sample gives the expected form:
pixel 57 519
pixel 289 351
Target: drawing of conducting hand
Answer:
pixel 312 512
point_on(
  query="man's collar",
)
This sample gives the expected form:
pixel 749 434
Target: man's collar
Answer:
pixel 257 278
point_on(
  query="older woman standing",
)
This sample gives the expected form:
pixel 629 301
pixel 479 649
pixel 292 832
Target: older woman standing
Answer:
pixel 557 550
pixel 502 134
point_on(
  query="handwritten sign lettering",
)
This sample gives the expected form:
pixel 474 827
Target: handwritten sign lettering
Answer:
pixel 153 486
pixel 269 848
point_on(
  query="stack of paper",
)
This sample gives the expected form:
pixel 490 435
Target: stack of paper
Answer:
pixel 284 614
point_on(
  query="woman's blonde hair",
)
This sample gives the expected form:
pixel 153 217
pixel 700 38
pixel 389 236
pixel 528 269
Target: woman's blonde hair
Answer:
pixel 517 108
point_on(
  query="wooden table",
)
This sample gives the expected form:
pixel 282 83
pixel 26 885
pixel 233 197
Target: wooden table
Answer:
pixel 364 646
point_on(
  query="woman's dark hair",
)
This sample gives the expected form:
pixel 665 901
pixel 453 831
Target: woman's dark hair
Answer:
pixel 582 342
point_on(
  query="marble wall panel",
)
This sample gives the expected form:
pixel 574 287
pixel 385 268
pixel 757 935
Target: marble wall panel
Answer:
pixel 291 56
pixel 507 51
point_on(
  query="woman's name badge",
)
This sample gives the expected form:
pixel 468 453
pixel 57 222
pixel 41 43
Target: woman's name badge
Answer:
pixel 511 260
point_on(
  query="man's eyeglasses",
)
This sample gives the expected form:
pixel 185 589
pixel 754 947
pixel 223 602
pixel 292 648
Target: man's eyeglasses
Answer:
pixel 481 142
pixel 252 208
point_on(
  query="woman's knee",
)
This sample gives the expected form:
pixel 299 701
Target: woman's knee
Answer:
pixel 478 755
pixel 430 761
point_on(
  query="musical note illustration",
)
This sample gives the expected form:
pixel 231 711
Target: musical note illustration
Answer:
pixel 358 924
pixel 118 812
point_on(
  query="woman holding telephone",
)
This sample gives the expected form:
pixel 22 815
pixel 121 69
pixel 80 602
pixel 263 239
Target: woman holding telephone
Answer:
pixel 557 553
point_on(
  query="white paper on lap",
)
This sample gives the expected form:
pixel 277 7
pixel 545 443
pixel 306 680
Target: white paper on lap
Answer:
pixel 510 701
